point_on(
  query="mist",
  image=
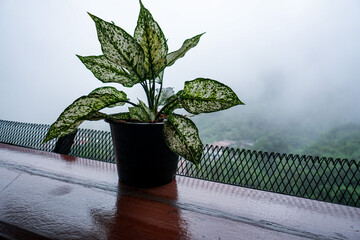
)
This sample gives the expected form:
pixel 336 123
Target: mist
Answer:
pixel 289 61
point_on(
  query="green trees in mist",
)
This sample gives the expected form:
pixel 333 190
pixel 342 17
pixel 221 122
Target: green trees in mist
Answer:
pixel 338 141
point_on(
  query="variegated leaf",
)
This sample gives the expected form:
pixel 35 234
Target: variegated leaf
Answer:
pixel 111 90
pixel 187 45
pixel 107 71
pixel 206 95
pixel 182 137
pixel 137 113
pixel 81 109
pixel 166 93
pixel 150 114
pixel 95 116
pixel 172 103
pixel 120 116
pixel 120 47
pixel 160 77
pixel 151 38
pixel 69 130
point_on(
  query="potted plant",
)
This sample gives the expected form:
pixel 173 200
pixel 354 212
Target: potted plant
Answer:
pixel 149 137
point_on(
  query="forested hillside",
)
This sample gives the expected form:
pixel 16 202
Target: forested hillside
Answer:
pixel 342 141
pixel 259 133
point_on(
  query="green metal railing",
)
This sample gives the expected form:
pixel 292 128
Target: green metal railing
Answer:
pixel 324 179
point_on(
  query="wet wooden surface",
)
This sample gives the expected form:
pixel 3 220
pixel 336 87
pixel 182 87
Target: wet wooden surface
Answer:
pixel 52 196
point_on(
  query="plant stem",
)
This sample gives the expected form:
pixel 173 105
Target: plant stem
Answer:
pixel 145 86
pixel 135 105
pixel 154 93
pixel 158 97
pixel 164 107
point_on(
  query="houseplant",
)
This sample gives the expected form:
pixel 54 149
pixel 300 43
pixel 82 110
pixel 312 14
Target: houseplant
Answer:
pixel 142 59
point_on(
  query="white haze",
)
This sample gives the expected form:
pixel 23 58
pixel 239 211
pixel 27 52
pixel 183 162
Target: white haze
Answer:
pixel 285 59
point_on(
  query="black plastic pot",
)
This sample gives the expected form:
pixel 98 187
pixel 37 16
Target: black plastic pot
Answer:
pixel 143 159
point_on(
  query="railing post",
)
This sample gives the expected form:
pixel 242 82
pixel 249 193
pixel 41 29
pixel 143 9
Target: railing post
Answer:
pixel 63 145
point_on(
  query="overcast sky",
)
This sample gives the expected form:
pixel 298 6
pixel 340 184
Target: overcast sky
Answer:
pixel 299 57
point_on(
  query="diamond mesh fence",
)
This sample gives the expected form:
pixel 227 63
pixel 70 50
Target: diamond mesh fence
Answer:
pixel 324 179
pixel 28 135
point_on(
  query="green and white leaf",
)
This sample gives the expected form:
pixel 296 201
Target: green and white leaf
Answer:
pixel 120 116
pixel 150 114
pixel 182 137
pixel 142 113
pixel 172 103
pixel 96 116
pixel 110 90
pixel 166 93
pixel 83 108
pixel 107 71
pixel 152 40
pixel 187 45
pixel 137 113
pixel 207 95
pixel 120 47
pixel 160 77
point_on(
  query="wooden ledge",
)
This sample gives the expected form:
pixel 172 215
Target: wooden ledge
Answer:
pixel 51 196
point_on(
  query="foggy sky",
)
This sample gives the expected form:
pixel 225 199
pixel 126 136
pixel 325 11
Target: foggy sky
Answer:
pixel 293 58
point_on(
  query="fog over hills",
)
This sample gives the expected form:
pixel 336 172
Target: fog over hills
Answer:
pixel 294 63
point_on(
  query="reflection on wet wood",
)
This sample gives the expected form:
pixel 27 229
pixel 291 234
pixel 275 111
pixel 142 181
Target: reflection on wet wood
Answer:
pixel 52 196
